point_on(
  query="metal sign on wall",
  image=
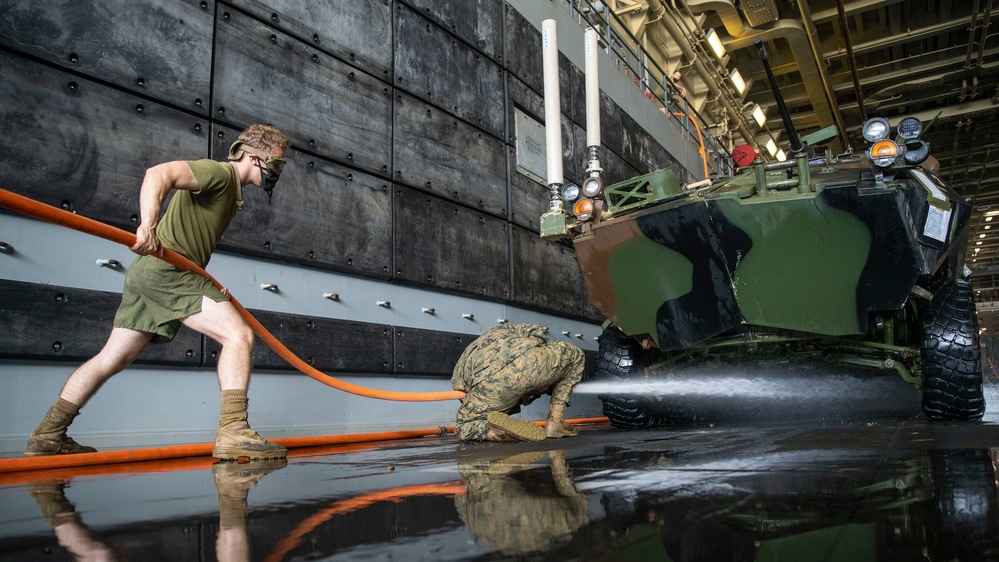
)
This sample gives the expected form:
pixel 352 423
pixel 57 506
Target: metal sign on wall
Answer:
pixel 530 135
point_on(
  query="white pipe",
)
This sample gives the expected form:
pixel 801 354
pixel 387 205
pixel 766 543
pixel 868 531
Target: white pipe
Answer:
pixel 553 113
pixel 592 48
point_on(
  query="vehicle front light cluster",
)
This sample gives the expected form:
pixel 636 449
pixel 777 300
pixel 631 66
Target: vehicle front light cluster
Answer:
pixel 582 197
pixel 884 151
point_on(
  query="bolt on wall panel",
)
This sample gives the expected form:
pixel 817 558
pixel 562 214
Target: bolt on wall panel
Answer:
pixel 321 214
pixel 323 343
pixel 82 146
pixel 158 49
pixel 438 153
pixel 263 75
pixel 445 245
pixel 477 22
pixel 53 323
pixel 545 274
pixel 434 65
pixel 357 32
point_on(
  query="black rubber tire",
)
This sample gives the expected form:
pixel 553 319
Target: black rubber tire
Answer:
pixel 622 358
pixel 964 491
pixel 952 357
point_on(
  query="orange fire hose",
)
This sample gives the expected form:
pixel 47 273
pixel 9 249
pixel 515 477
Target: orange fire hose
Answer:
pixel 341 507
pixel 61 217
pixel 700 138
pixel 12 470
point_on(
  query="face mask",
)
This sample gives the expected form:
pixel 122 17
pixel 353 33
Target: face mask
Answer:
pixel 268 179
pixel 269 173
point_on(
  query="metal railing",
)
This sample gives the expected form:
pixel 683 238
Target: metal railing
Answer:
pixel 632 60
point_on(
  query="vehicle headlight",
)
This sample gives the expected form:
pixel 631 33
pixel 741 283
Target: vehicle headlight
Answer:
pixel 583 209
pixel 910 128
pixel 883 153
pixel 570 192
pixel 592 187
pixel 916 152
pixel 876 129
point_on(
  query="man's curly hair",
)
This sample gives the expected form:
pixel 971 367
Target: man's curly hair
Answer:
pixel 264 137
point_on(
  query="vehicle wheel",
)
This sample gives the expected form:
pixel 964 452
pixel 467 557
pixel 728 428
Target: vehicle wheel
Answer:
pixel 621 358
pixel 952 358
pixel 964 491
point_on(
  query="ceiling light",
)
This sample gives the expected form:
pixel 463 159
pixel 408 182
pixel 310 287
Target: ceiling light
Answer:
pixel 987 219
pixel 981 236
pixel 979 243
pixel 737 80
pixel 715 43
pixel 759 115
pixel 781 156
pixel 772 147
pixel 988 226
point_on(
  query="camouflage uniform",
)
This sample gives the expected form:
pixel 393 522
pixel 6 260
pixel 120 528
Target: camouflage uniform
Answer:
pixel 521 512
pixel 507 363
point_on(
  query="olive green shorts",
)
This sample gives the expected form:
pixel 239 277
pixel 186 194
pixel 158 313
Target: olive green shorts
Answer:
pixel 157 296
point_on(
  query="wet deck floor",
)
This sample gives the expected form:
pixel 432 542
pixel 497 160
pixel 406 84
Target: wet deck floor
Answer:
pixel 895 488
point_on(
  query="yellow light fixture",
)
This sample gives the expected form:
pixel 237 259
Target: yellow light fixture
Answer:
pixel 772 147
pixel 715 43
pixel 781 156
pixel 759 115
pixel 737 80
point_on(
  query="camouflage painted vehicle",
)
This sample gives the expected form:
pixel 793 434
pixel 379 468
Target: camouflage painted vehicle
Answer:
pixel 855 260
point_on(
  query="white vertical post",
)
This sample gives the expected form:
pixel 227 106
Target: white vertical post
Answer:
pixel 592 89
pixel 553 114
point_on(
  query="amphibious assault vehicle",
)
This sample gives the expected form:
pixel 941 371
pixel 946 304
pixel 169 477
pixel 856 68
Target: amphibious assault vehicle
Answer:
pixel 857 260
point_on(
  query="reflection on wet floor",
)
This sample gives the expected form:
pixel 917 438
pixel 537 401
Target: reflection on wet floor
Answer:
pixel 899 489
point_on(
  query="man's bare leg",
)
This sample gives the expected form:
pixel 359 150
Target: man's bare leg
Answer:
pixel 222 322
pixel 50 438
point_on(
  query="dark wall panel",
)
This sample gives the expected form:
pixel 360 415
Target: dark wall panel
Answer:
pixel 545 274
pixel 611 125
pixel 615 168
pixel 355 31
pixel 446 245
pixel 526 203
pixel 477 22
pixel 324 343
pixel 438 153
pixel 92 158
pixel 321 214
pixel 434 65
pixel 64 323
pixel 324 106
pixel 528 198
pixel 428 352
pixel 159 49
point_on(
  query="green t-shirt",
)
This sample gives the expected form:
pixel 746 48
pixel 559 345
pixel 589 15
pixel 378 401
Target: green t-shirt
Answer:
pixel 195 220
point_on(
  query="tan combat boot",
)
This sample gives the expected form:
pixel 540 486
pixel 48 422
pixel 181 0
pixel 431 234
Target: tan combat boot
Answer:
pixel 506 428
pixel 555 426
pixel 50 438
pixel 235 439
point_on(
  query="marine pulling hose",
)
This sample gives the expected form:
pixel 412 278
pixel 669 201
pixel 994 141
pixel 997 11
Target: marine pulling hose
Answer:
pixel 48 213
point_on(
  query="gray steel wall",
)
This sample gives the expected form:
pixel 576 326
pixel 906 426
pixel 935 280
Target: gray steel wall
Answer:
pixel 403 168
